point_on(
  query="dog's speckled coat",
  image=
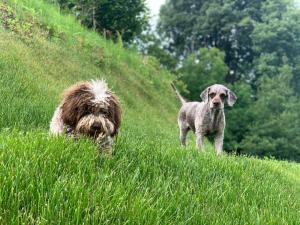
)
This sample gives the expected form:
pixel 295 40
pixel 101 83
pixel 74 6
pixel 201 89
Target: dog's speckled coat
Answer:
pixel 205 117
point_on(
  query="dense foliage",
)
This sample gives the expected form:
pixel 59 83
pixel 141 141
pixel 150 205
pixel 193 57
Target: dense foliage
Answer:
pixel 261 42
pixel 203 68
pixel 112 18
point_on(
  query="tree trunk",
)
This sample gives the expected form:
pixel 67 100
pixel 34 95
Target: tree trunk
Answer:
pixel 94 16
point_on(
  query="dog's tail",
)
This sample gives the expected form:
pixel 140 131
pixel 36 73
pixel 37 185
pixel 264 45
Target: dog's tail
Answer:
pixel 181 99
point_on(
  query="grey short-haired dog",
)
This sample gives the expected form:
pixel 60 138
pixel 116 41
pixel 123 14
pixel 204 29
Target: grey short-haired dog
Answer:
pixel 206 117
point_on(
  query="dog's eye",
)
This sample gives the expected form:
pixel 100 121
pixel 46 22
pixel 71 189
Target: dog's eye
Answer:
pixel 212 95
pixel 223 96
pixel 104 112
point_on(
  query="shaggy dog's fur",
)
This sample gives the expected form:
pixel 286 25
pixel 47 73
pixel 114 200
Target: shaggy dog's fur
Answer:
pixel 89 109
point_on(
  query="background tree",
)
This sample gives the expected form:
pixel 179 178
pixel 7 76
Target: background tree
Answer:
pixel 111 18
pixel 227 25
pixel 148 43
pixel 202 69
pixel 276 37
pixel 276 126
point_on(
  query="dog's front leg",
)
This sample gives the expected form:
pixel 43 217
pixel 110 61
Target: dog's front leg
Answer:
pixel 199 140
pixel 57 125
pixel 219 142
pixel 106 145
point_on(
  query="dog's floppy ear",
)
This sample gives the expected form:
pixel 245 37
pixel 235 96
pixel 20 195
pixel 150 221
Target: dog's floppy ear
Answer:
pixel 231 97
pixel 74 103
pixel 114 110
pixel 204 94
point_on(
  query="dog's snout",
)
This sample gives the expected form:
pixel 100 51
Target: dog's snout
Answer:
pixel 216 101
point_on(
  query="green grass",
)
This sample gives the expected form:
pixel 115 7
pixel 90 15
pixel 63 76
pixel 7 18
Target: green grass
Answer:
pixel 149 179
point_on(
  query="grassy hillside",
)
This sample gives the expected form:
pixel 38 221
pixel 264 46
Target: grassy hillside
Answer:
pixel 150 179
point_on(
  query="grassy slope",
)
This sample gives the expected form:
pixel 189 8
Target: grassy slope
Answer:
pixel 150 179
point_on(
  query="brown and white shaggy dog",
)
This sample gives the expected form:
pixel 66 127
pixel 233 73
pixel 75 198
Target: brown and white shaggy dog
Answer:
pixel 89 109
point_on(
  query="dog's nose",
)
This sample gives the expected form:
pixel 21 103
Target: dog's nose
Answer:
pixel 96 126
pixel 216 103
